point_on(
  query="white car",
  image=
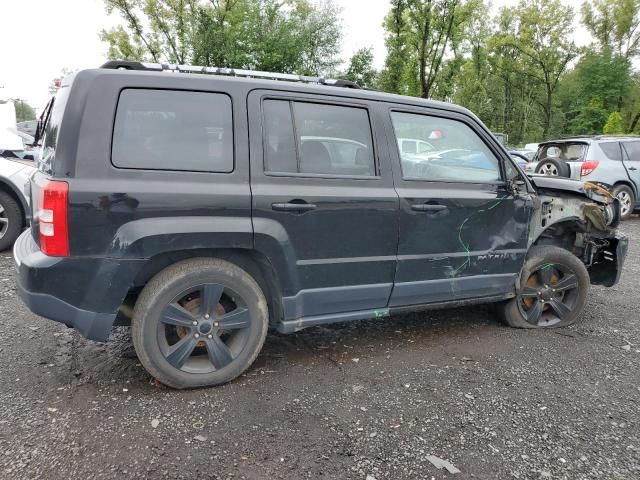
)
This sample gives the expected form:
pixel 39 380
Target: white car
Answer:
pixel 414 146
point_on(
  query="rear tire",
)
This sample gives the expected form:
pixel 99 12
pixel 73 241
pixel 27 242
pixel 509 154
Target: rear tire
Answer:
pixel 200 322
pixel 627 200
pixel 554 285
pixel 11 220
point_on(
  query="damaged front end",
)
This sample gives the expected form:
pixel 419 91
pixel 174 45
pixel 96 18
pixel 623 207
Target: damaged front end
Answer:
pixel 583 218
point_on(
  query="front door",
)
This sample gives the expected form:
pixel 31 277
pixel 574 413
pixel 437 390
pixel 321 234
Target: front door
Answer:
pixel 325 212
pixel 463 233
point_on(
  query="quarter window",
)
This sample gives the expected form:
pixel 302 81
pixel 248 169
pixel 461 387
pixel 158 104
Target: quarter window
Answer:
pixel 173 130
pixel 612 150
pixel 452 151
pixel 314 138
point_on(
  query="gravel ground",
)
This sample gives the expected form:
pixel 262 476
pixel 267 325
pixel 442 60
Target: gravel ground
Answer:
pixel 367 400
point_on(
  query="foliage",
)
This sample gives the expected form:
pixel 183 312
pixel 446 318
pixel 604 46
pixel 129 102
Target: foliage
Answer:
pixel 273 35
pixel 614 24
pixel 614 124
pixel 24 111
pixel 361 70
pixel 518 70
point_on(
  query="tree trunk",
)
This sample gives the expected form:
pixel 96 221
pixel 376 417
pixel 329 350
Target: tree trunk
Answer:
pixel 634 123
pixel 547 115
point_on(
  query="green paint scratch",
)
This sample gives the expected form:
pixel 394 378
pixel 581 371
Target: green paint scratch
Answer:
pixel 466 246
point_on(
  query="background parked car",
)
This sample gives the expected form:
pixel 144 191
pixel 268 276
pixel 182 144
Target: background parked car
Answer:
pixel 608 160
pixel 14 174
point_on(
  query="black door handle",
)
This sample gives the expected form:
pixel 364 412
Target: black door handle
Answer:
pixel 293 207
pixel 427 207
pixel 632 168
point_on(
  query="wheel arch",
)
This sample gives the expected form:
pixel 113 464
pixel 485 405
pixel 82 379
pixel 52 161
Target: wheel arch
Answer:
pixel 252 261
pixel 555 233
pixel 627 184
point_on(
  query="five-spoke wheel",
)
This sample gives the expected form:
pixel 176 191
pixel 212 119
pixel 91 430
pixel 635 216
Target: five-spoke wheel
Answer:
pixel 552 290
pixel 199 322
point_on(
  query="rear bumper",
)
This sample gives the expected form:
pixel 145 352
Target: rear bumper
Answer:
pixel 83 293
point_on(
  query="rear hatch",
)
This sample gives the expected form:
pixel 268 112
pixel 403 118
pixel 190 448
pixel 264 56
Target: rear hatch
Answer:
pixel 572 152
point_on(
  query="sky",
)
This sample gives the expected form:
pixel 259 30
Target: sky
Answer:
pixel 39 38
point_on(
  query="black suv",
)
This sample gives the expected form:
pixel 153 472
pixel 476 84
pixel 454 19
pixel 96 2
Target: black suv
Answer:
pixel 202 206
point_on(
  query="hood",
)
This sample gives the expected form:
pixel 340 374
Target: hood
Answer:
pixel 593 191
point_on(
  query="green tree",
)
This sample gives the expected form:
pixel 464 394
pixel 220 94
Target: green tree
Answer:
pixel 24 111
pixel 275 35
pixel 599 84
pixel 540 33
pixel 361 70
pixel 438 28
pixel 614 24
pixel 392 75
pixel 614 124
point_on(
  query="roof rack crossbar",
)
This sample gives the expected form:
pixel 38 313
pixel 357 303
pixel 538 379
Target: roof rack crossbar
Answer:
pixel 230 72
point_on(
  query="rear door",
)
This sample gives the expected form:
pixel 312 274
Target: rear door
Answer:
pixel 631 160
pixel 324 209
pixel 463 233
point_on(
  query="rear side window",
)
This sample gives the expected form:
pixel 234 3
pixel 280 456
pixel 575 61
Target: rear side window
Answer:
pixel 173 130
pixel 612 150
pixel 301 137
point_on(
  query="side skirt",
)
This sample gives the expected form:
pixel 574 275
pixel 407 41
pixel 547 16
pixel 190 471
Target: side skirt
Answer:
pixel 291 326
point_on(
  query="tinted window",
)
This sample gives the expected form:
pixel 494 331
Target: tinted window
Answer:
pixel 279 140
pixel 328 139
pixel 458 154
pixel 172 130
pixel 612 150
pixel 633 151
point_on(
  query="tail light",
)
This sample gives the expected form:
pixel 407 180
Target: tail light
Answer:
pixel 588 166
pixel 52 219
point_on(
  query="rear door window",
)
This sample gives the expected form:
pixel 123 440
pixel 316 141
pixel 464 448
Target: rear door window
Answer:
pixel 173 130
pixel 316 138
pixel 633 151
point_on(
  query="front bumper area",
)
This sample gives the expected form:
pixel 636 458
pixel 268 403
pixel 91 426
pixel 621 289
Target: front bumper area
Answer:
pixel 81 293
pixel 607 272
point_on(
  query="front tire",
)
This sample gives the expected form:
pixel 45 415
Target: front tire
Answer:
pixel 11 220
pixel 554 285
pixel 200 322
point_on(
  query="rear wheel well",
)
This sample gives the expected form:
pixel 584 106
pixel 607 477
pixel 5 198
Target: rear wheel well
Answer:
pixel 253 262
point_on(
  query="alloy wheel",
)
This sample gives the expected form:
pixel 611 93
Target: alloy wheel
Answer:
pixel 549 169
pixel 625 202
pixel 204 329
pixel 4 222
pixel 549 295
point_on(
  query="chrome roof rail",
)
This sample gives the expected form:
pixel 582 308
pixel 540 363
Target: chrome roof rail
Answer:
pixel 229 72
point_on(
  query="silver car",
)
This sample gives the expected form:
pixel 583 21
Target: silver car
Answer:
pixel 14 208
pixel 607 160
